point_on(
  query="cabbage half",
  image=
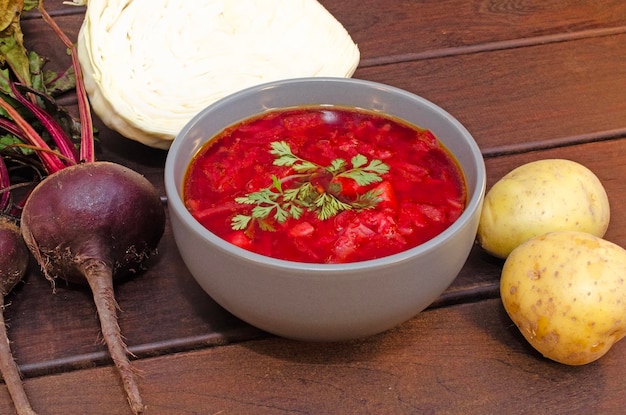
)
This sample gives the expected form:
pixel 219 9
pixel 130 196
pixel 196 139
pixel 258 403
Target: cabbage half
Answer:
pixel 151 65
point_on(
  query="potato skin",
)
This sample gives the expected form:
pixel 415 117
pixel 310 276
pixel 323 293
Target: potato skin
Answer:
pixel 566 292
pixel 539 197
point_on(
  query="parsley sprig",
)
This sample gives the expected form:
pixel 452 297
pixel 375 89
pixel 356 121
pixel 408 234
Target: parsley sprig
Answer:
pixel 311 192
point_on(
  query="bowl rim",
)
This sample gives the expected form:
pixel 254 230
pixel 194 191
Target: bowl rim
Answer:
pixel 175 201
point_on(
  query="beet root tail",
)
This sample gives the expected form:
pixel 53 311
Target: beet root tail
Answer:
pixel 100 278
pixel 10 371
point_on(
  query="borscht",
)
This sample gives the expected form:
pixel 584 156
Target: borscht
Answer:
pixel 325 184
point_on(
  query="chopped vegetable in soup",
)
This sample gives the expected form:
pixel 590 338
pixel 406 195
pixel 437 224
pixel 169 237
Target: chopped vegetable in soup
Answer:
pixel 325 184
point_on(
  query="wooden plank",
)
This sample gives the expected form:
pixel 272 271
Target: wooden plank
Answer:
pixel 511 100
pixel 393 31
pixel 189 318
pixel 57 332
pixel 557 96
pixel 503 103
pixel 545 95
pixel 466 359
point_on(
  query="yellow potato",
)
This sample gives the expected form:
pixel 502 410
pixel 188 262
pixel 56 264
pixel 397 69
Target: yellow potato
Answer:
pixel 566 292
pixel 539 197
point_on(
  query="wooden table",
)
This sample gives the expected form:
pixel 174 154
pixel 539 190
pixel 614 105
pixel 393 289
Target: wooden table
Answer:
pixel 530 79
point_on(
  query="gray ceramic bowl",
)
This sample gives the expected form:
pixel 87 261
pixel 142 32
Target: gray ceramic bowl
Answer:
pixel 325 302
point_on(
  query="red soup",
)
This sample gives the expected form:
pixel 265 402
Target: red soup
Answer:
pixel 325 184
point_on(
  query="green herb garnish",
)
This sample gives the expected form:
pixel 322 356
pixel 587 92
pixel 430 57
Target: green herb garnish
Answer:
pixel 315 189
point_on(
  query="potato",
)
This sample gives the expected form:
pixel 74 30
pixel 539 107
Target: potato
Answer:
pixel 539 197
pixel 566 293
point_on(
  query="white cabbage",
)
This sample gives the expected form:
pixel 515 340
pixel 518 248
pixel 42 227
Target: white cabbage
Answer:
pixel 151 65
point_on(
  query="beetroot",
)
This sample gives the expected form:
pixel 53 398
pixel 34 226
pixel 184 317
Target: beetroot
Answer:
pixel 13 264
pixel 87 221
pixel 91 223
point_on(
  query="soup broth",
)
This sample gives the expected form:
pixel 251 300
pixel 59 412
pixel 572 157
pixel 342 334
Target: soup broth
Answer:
pixel 325 184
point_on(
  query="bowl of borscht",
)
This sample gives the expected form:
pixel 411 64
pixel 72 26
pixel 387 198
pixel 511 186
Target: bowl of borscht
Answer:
pixel 324 209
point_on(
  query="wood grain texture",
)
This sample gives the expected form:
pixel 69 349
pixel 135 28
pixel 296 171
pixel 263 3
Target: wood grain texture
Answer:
pixel 514 99
pixel 393 31
pixel 466 359
pixel 532 96
pixel 63 332
pixel 512 96
pixel 530 79
pixel 388 31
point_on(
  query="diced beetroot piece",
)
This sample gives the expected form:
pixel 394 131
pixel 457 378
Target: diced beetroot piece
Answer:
pixel 239 239
pixel 302 121
pixel 349 242
pixel 386 225
pixel 433 213
pixel 347 187
pixel 429 138
pixel 387 196
pixel 301 230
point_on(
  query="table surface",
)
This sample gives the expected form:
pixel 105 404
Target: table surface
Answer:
pixel 530 79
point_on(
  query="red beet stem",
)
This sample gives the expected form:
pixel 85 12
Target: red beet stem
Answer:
pixel 60 137
pixel 5 182
pixel 87 152
pixel 52 163
pixel 100 278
